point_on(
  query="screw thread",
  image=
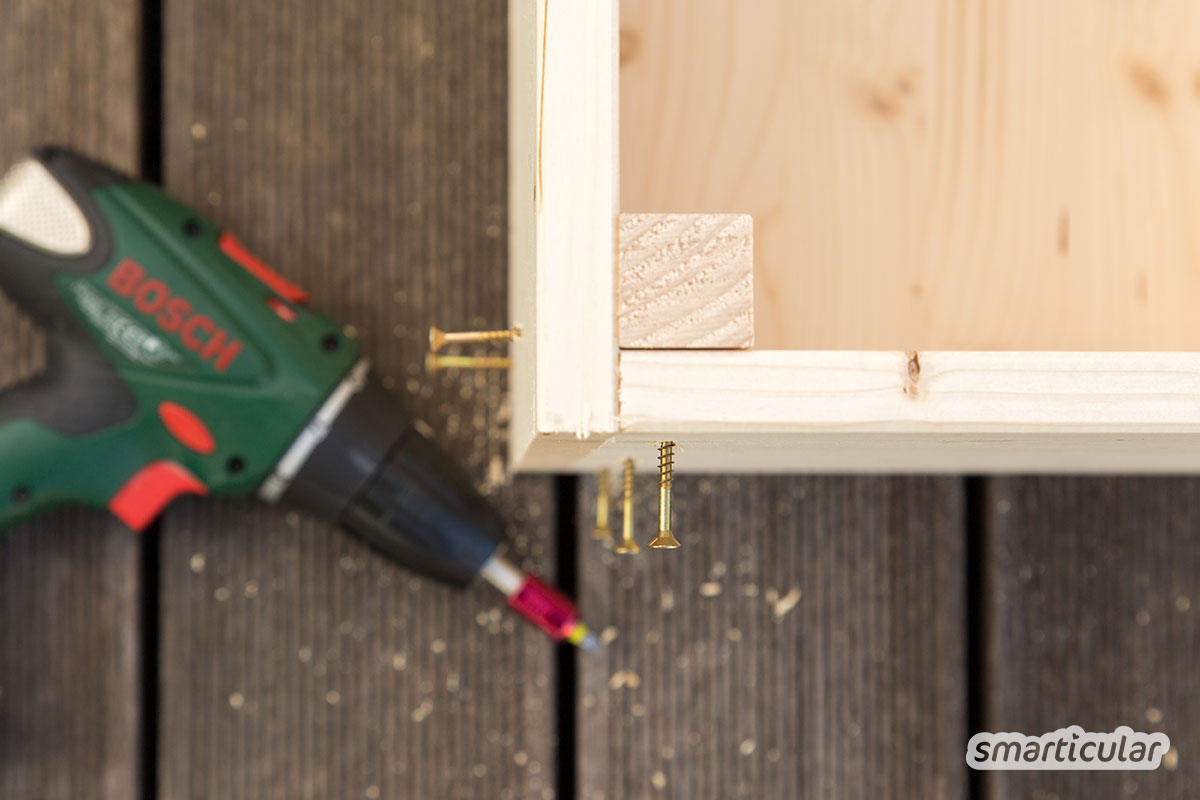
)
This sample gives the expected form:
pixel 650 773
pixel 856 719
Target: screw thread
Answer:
pixel 666 464
pixel 627 545
pixel 666 468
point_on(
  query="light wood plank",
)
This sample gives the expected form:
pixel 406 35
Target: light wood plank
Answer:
pixel 360 149
pixel 563 211
pixel 805 642
pixel 783 411
pixel 70 627
pixel 685 281
pixel 932 175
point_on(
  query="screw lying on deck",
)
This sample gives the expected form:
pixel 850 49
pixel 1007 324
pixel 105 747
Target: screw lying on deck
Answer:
pixel 666 466
pixel 439 338
pixel 434 362
pixel 627 545
pixel 602 531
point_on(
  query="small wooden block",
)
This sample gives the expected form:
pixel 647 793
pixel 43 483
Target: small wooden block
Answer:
pixel 686 281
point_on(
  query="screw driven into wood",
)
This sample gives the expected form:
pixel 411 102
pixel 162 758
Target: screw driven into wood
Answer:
pixel 435 363
pixel 627 545
pixel 602 531
pixel 439 338
pixel 666 467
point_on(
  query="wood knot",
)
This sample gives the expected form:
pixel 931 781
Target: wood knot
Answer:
pixel 884 99
pixel 911 387
pixel 628 43
pixel 1148 82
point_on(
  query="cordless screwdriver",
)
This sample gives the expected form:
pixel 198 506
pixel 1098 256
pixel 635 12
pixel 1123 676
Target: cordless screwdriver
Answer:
pixel 180 363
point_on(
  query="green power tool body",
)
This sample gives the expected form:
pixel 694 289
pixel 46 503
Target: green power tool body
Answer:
pixel 179 363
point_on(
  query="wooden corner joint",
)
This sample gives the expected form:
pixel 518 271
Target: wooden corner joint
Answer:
pixel 685 281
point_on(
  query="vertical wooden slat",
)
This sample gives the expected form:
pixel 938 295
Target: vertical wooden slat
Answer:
pixel 360 148
pixel 1092 591
pixel 69 630
pixel 806 641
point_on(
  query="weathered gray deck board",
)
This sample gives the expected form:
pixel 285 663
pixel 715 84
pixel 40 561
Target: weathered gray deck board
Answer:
pixel 806 641
pixel 69 647
pixel 1093 590
pixel 360 149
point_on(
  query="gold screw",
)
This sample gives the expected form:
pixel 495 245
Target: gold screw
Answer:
pixel 602 531
pixel 434 362
pixel 439 338
pixel 666 466
pixel 627 544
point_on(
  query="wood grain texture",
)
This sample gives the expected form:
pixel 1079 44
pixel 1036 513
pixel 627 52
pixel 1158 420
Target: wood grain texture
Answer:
pixel 69 648
pixel 360 149
pixel 562 218
pixel 1091 590
pixel 893 411
pixel 932 175
pixel 806 641
pixel 685 281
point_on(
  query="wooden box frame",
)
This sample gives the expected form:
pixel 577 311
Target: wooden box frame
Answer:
pixel 580 403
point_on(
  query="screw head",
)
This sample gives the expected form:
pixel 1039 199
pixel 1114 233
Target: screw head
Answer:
pixel 192 226
pixel 235 465
pixel 21 495
pixel 330 343
pixel 664 541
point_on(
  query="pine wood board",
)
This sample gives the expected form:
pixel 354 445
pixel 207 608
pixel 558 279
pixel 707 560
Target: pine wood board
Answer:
pixel 932 175
pixel 563 209
pixel 685 281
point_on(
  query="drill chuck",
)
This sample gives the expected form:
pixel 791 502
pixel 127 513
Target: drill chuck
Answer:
pixel 377 476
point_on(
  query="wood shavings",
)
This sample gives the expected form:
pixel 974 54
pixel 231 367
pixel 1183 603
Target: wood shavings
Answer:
pixel 422 712
pixel 197 563
pixel 623 678
pixel 786 603
pixel 710 589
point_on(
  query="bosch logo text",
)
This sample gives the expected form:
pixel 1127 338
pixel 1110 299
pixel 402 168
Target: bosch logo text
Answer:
pixel 174 314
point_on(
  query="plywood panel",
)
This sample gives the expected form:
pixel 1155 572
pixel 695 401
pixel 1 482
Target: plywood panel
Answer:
pixel 933 174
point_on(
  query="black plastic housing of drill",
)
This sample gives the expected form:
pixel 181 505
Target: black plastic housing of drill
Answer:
pixel 379 478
